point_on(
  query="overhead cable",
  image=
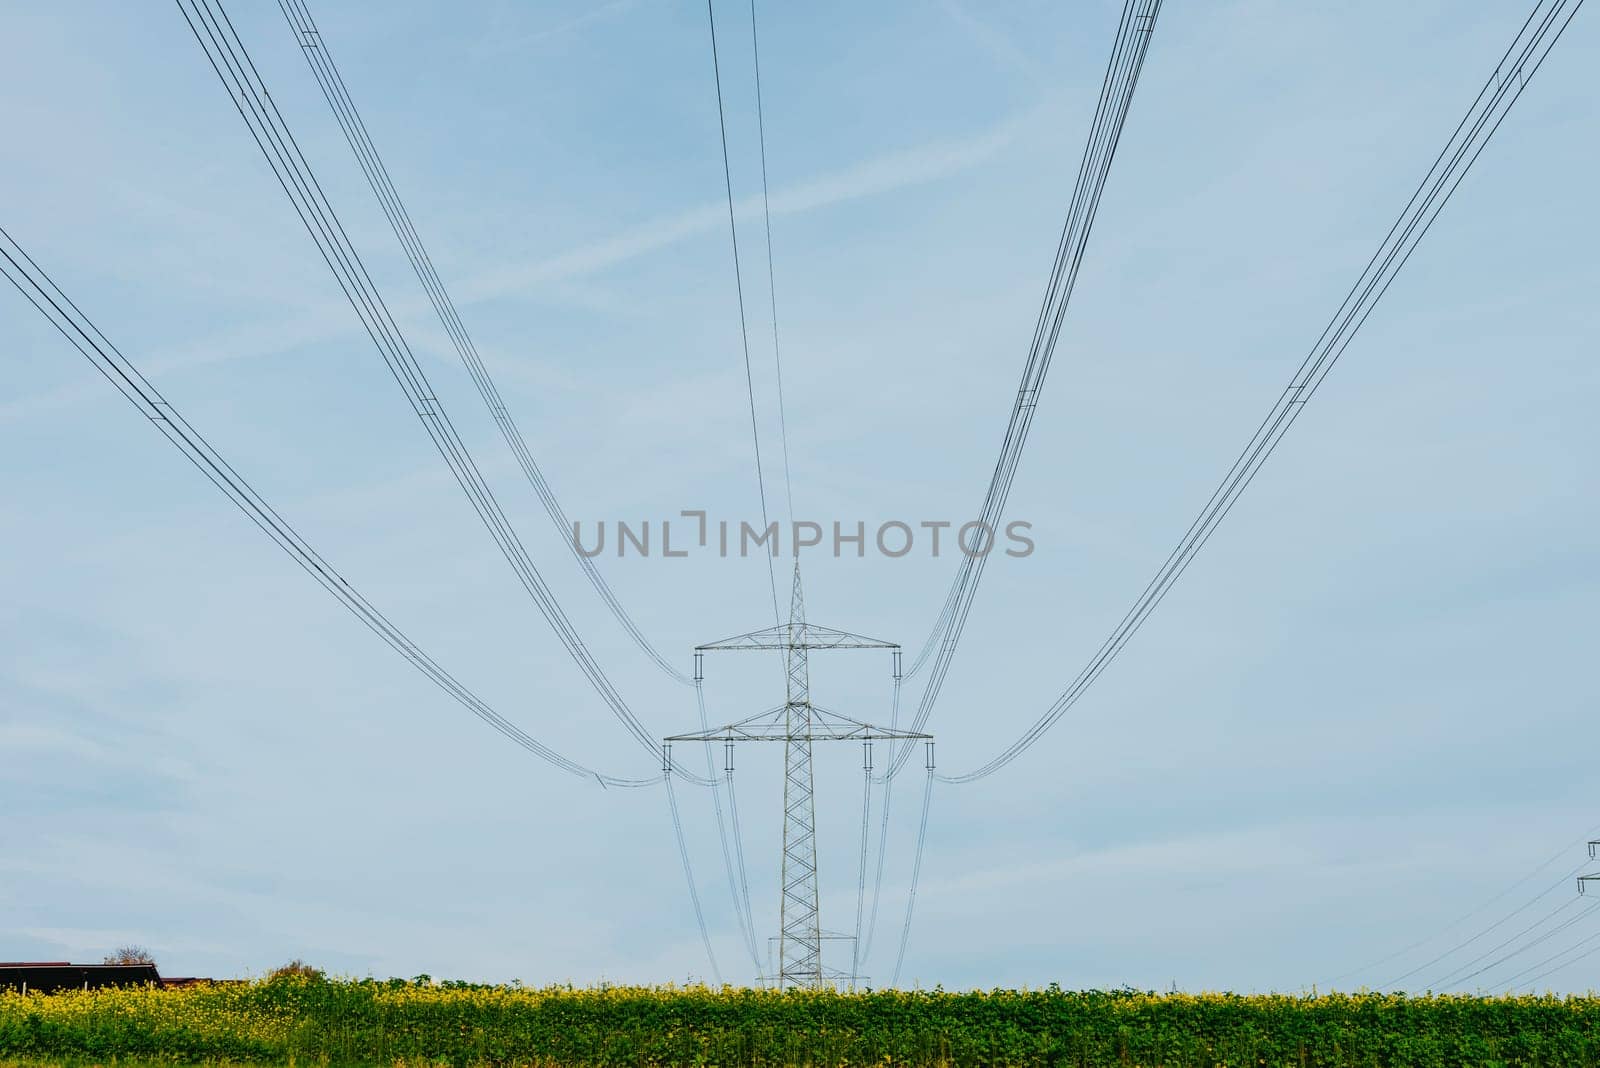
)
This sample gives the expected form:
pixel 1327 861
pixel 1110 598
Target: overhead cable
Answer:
pixel 1132 41
pixel 1516 977
pixel 1524 947
pixel 883 830
pixel 916 878
pixel 772 284
pixel 1396 954
pixel 1527 52
pixel 744 331
pixel 861 864
pixel 740 902
pixel 314 46
pixel 738 856
pixel 1565 880
pixel 70 321
pixel 226 52
pixel 688 874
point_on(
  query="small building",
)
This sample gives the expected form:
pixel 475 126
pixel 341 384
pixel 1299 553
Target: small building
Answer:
pixel 49 977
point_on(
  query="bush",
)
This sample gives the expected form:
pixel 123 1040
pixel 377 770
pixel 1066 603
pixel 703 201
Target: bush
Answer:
pixel 130 955
pixel 295 969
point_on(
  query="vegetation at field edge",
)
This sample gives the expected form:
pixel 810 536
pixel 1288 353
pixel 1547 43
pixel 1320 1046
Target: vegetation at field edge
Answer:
pixel 305 1019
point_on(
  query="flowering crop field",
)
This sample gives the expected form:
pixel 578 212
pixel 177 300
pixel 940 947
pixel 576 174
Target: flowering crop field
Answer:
pixel 371 1022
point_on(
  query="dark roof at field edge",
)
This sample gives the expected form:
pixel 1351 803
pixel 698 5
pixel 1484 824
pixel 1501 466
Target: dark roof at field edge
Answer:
pixel 48 977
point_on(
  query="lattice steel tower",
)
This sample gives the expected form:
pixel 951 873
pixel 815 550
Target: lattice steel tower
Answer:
pixel 798 723
pixel 799 934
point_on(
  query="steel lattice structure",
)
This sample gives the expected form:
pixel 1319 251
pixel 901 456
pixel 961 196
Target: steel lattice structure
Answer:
pixel 797 723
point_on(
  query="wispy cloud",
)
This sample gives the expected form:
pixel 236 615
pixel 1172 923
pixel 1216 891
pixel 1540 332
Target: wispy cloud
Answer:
pixel 600 13
pixel 880 175
pixel 235 342
pixel 1002 47
pixel 888 173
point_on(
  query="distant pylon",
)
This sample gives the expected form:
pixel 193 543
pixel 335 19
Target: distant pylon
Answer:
pixel 797 724
pixel 1585 880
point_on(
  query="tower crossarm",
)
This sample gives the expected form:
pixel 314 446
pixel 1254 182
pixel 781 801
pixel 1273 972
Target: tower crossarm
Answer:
pixel 796 635
pixel 824 726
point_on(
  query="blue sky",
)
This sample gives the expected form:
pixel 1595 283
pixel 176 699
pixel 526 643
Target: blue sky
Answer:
pixel 1364 710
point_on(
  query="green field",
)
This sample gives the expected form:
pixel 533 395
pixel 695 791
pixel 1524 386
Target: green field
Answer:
pixel 311 1021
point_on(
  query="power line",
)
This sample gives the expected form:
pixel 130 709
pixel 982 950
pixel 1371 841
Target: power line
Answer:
pixel 324 69
pixel 784 971
pixel 688 872
pixel 744 332
pixel 230 60
pixel 1504 86
pixel 1134 31
pixel 1564 964
pixel 70 321
pixel 1058 293
pixel 772 285
pixel 883 828
pixel 738 853
pixel 931 643
pixel 313 44
pixel 1529 945
pixel 1507 918
pixel 916 871
pixel 1464 918
pixel 740 904
pixel 861 863
pixel 1460 969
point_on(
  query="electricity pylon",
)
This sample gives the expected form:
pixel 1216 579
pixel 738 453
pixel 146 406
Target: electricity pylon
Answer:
pixel 797 723
pixel 1585 880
